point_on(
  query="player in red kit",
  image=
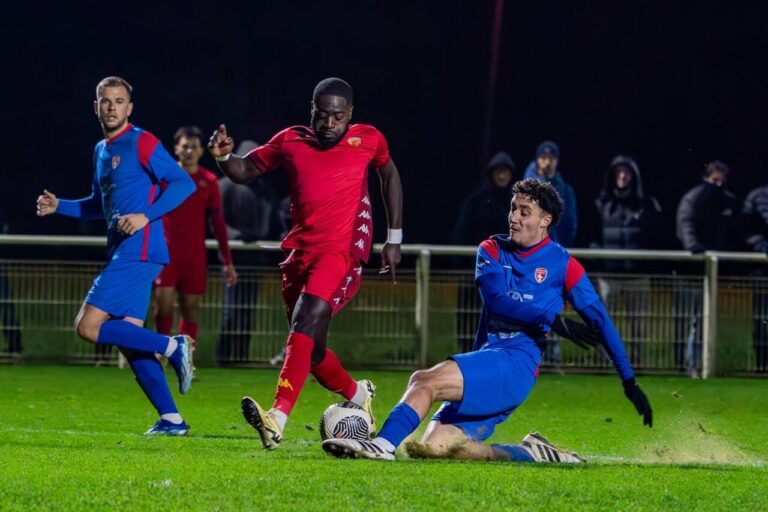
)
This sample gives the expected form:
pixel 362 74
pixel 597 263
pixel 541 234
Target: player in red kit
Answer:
pixel 327 165
pixel 185 232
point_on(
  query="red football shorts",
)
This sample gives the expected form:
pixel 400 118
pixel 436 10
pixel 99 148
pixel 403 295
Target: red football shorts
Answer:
pixel 333 276
pixel 187 277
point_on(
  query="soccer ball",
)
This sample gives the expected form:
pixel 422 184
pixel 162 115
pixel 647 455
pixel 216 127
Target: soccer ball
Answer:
pixel 345 420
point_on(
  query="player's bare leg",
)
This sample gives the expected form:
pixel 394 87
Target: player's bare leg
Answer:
pixel 441 441
pixel 165 296
pixel 441 382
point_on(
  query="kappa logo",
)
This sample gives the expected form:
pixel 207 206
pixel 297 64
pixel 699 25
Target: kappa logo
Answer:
pixel 360 244
pixel 358 270
pixel 363 228
pixel 346 285
pixel 365 215
pixel 540 275
pixel 354 141
pixel 366 200
pixel 115 162
pixel 284 383
pixel 336 300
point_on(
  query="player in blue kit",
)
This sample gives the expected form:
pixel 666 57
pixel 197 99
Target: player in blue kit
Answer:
pixel 128 167
pixel 523 280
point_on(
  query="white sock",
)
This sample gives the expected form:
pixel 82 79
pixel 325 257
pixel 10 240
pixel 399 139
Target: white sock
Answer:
pixel 383 444
pixel 172 345
pixel 280 417
pixel 173 417
pixel 361 395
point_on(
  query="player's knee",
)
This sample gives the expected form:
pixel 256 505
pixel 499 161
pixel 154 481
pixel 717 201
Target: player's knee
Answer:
pixel 86 330
pixel 421 379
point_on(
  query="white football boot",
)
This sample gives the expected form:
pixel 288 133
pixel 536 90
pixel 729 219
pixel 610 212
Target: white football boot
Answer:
pixel 544 451
pixel 351 449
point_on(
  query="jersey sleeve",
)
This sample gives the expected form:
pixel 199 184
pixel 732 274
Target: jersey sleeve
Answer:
pixel 491 283
pixel 217 220
pixel 381 156
pixel 156 160
pixel 87 208
pixel 269 156
pixel 580 293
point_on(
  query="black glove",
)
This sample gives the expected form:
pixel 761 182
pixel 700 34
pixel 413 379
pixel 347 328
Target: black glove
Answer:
pixel 577 332
pixel 639 400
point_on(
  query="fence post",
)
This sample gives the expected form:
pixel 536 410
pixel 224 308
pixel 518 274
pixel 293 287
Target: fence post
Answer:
pixel 709 318
pixel 422 304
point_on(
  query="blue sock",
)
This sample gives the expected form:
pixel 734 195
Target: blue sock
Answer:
pixel 150 376
pixel 515 452
pixel 127 335
pixel 399 424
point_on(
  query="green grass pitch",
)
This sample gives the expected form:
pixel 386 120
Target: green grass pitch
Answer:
pixel 70 439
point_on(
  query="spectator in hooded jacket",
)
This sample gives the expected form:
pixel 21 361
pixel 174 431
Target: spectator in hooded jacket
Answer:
pixel 707 216
pixel 544 167
pixel 484 212
pixel 629 219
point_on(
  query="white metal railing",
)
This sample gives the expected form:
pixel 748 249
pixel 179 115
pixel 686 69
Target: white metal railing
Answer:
pixel 423 272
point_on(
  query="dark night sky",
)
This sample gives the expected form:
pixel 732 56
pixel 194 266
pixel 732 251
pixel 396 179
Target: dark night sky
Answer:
pixel 673 84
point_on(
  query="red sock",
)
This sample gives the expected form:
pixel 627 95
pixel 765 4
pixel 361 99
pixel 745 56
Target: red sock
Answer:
pixel 164 324
pixel 188 328
pixel 334 377
pixel 298 359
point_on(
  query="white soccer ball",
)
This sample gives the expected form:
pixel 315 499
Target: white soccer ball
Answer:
pixel 345 421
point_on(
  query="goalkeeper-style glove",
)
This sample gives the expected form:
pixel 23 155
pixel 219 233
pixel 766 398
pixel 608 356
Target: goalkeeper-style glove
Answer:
pixel 582 335
pixel 639 400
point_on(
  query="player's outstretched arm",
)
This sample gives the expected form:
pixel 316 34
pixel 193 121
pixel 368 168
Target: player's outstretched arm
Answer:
pixel 86 208
pixel 392 192
pixel 238 169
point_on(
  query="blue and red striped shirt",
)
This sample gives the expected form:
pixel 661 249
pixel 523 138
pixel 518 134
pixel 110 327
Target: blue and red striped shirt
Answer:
pixel 127 172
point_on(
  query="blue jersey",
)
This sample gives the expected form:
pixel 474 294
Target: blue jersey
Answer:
pixel 523 290
pixel 127 172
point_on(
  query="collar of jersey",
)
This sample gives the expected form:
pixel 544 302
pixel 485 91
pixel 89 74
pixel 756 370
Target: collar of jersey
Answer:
pixel 120 133
pixel 527 251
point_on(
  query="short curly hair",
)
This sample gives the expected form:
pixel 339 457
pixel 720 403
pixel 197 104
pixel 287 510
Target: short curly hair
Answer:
pixel 543 194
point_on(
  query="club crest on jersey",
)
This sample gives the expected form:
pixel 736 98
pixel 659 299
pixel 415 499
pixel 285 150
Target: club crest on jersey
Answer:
pixel 115 162
pixel 540 274
pixel 354 141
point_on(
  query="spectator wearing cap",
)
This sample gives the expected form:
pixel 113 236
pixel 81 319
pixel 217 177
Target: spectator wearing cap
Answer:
pixel 544 167
pixel 484 212
pixel 708 214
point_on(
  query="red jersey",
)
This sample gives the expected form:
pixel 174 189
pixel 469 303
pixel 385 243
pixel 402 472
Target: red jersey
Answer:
pixel 330 206
pixel 185 226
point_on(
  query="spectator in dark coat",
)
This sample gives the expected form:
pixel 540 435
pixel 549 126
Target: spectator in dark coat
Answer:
pixel 484 212
pixel 708 214
pixel 629 219
pixel 544 167
pixel 755 218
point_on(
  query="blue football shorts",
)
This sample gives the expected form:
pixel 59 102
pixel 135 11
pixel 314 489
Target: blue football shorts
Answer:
pixel 123 288
pixel 496 382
